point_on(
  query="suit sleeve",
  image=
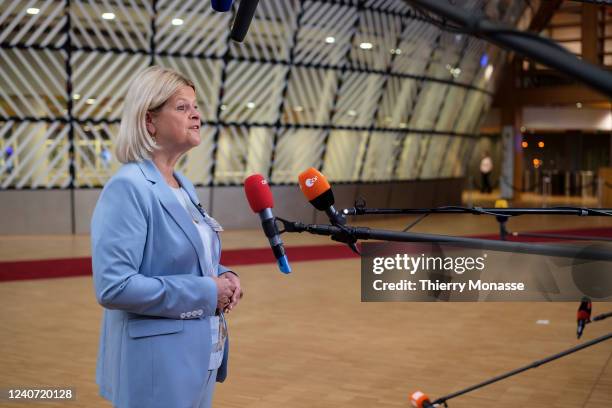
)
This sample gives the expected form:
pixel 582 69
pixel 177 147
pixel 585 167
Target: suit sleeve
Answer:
pixel 223 269
pixel 118 233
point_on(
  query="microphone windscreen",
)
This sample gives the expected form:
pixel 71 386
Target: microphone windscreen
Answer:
pixel 313 184
pixel 258 193
pixel 419 400
pixel 583 315
pixel 221 5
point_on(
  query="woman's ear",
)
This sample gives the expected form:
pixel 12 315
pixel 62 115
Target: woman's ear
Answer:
pixel 149 123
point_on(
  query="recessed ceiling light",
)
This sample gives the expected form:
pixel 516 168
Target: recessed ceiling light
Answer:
pixel 177 21
pixel 108 16
pixel 223 107
pixel 398 51
pixel 76 97
pixel 579 105
pixel 330 40
pixel 250 105
pixel 366 46
pixel 352 112
pixel 33 11
pixel 298 108
pixel 90 101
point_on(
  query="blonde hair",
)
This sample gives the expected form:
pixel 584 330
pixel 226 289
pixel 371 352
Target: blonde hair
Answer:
pixel 148 92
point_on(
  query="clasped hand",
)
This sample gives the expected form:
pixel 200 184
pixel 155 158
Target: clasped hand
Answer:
pixel 229 291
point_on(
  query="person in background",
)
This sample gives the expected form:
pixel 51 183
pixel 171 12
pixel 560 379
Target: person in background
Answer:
pixel 486 167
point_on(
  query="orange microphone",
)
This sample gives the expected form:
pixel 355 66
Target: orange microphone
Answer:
pixel 420 400
pixel 317 190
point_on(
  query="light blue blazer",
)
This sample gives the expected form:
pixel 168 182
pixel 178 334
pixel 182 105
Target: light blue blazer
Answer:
pixel 148 269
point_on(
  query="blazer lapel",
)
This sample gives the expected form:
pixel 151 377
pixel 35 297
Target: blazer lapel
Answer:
pixel 174 208
pixel 196 202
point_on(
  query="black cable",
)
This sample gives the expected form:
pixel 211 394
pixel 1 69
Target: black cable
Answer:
pixel 415 222
pixel 582 209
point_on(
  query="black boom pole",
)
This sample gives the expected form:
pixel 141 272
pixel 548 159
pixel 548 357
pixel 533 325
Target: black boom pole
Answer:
pixel 539 49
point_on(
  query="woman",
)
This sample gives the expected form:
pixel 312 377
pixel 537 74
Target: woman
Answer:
pixel 155 253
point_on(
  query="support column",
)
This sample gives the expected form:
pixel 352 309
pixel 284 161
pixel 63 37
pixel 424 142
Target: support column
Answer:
pixel 511 121
pixel 590 46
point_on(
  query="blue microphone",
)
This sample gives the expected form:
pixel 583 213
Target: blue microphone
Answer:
pixel 221 5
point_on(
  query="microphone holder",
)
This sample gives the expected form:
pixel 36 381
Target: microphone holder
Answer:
pixel 350 235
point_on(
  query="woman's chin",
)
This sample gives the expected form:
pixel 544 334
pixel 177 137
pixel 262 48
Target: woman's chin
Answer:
pixel 195 138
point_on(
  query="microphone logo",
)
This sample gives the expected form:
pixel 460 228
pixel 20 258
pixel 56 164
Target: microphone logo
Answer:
pixel 310 182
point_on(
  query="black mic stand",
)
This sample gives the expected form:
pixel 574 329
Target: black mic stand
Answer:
pixel 501 214
pixel 442 400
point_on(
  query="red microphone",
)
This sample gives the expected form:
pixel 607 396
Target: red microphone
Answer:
pixel 583 316
pixel 261 201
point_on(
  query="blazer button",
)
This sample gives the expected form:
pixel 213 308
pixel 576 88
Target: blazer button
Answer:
pixel 188 314
pixel 182 315
pixel 200 312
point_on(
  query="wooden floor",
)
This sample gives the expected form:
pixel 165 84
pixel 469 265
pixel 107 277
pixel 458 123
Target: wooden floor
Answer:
pixel 306 340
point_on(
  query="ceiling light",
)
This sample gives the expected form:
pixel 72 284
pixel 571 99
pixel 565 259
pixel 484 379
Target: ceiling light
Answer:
pixel 90 101
pixel 250 105
pixel 330 40
pixel 33 11
pixel 223 107
pixel 398 51
pixel 366 46
pixel 352 112
pixel 108 16
pixel 579 105
pixel 76 97
pixel 455 72
pixel 541 145
pixel 298 108
pixel 523 129
pixel 525 145
pixel 177 21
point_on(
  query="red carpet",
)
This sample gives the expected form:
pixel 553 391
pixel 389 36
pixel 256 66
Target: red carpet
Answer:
pixel 60 268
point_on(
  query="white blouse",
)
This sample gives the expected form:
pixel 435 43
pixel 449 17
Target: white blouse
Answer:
pixel 218 328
